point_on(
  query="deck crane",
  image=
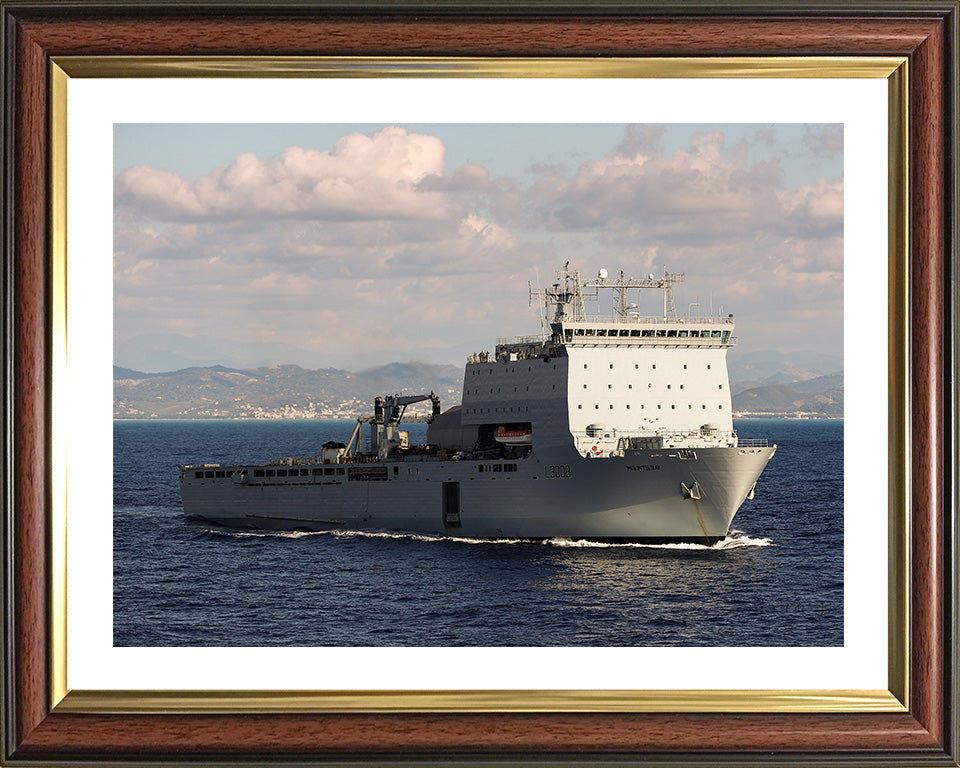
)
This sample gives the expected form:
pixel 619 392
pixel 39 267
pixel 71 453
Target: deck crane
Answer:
pixel 385 423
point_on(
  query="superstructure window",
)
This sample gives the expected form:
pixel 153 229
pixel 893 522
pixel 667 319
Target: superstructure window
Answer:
pixel 590 332
pixel 601 331
pixel 715 334
pixel 208 474
pixel 579 331
pixel 647 334
pixel 258 473
pixel 625 332
pixel 694 334
pixel 271 473
pixel 634 333
pixel 683 334
pixel 672 334
pixel 198 475
pixel 282 473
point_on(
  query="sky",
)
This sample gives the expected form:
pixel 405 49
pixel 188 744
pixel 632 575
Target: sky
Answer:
pixel 351 246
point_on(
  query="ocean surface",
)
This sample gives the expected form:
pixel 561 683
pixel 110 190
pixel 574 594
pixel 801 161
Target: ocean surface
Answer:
pixel 777 580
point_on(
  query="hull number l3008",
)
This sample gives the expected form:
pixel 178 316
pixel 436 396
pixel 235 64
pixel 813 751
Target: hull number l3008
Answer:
pixel 556 471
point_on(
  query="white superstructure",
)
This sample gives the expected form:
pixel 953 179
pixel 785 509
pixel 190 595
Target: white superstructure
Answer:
pixel 616 427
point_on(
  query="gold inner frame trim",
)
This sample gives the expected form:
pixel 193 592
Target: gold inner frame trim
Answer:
pixel 544 701
pixel 427 66
pixel 893 69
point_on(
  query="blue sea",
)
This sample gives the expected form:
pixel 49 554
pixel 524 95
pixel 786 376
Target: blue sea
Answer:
pixel 777 580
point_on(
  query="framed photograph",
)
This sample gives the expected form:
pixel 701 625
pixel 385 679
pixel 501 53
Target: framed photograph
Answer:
pixel 93 93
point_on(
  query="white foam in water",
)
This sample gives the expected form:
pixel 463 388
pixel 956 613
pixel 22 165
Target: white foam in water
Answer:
pixel 735 539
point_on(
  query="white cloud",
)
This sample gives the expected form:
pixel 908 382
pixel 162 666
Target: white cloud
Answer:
pixel 373 247
pixel 361 178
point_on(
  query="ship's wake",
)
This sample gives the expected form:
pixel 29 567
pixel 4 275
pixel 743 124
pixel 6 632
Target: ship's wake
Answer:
pixel 734 540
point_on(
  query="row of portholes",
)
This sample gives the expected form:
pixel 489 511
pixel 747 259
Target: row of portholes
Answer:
pixel 659 407
pixel 519 409
pixel 653 366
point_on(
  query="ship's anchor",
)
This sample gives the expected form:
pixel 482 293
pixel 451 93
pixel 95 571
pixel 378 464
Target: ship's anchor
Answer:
pixel 694 492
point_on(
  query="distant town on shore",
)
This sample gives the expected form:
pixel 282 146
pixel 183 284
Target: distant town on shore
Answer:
pixel 766 388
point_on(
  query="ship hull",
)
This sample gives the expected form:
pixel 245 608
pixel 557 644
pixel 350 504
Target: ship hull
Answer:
pixel 654 496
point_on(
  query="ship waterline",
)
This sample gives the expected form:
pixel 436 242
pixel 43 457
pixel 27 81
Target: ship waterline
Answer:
pixel 638 497
pixel 615 428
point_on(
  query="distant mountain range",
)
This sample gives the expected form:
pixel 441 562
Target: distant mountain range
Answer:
pixel 278 391
pixel 821 395
pixel 289 391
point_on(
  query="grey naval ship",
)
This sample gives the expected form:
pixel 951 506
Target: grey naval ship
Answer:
pixel 607 428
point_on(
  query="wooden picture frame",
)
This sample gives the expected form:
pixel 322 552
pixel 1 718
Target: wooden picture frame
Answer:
pixel 37 730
